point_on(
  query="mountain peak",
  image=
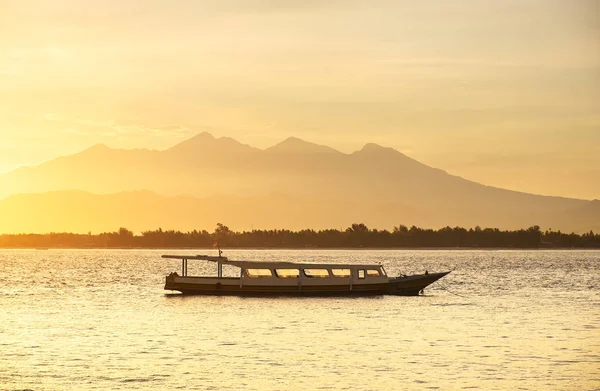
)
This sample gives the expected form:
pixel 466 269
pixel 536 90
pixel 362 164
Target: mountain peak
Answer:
pixel 373 147
pixel 198 140
pixel 207 143
pixel 376 149
pixel 298 146
pixel 200 137
pixel 203 135
pixel 99 147
pixel 372 151
pixel 95 150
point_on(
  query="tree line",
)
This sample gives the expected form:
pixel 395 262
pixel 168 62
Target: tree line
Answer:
pixel 356 236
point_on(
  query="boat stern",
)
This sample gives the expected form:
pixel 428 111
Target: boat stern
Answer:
pixel 170 281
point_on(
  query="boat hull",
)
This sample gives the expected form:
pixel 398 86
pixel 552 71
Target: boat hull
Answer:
pixel 400 286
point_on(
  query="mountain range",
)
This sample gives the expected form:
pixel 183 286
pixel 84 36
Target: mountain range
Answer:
pixel 294 184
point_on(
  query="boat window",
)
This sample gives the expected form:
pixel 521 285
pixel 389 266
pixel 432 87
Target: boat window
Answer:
pixel 340 272
pixel 373 273
pixel 361 273
pixel 287 273
pixel 316 273
pixel 383 273
pixel 256 273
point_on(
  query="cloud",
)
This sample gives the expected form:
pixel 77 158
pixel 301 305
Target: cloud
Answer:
pixel 55 52
pixel 125 130
pixel 77 132
pixel 37 53
pixel 52 117
pixel 9 71
pixel 172 130
pixel 94 123
pixel 168 130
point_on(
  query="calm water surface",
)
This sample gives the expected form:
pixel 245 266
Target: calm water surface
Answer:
pixel 100 320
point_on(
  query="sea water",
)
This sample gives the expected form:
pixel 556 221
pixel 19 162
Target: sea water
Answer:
pixel 100 320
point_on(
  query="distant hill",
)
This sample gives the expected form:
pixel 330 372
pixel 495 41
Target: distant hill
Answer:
pixel 294 184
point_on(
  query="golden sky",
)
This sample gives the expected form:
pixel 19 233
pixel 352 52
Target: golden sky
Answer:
pixel 504 92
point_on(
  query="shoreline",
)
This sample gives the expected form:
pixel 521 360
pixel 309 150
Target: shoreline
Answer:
pixel 307 248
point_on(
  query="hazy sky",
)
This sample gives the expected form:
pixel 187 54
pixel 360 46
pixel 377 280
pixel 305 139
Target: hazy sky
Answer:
pixel 506 93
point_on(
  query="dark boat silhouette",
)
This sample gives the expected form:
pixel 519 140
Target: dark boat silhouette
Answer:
pixel 295 279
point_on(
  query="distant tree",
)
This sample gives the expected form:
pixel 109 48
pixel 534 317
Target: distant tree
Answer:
pixel 357 235
pixel 125 233
pixel 358 229
pixel 222 234
pixel 401 229
pixel 222 230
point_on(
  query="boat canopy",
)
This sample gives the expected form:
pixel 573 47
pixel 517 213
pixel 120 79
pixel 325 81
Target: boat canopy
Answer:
pixel 200 257
pixel 270 265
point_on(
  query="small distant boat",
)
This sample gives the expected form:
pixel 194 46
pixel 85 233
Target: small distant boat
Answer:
pixel 295 279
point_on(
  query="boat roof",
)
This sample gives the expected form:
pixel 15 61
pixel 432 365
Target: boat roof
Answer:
pixel 270 265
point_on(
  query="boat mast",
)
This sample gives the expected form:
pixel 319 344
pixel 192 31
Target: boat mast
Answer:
pixel 219 263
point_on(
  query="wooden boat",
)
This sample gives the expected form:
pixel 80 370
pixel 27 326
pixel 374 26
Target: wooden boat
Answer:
pixel 295 279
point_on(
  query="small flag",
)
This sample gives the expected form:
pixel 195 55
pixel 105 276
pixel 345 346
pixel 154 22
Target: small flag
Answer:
pixel 216 244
